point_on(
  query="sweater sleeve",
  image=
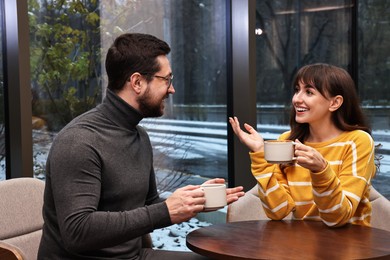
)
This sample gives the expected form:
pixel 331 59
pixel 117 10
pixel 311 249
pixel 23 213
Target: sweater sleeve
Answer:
pixel 274 191
pixel 337 191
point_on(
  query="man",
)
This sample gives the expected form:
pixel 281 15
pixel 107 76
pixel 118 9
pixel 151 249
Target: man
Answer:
pixel 101 194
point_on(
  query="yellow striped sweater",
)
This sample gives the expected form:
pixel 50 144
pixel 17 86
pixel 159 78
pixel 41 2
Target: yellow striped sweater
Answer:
pixel 336 196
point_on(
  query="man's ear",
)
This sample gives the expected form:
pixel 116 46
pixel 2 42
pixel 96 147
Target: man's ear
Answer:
pixel 135 82
pixel 335 103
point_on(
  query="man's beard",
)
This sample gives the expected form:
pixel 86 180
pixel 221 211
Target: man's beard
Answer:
pixel 148 107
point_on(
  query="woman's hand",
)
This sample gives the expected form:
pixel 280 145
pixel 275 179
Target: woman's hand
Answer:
pixel 309 158
pixel 232 194
pixel 252 139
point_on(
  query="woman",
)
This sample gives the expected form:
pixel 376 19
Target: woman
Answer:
pixel 330 179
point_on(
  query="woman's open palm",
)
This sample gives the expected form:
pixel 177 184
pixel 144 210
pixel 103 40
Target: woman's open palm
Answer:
pixel 252 139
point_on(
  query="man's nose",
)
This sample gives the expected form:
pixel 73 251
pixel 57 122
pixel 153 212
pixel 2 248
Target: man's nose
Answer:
pixel 171 89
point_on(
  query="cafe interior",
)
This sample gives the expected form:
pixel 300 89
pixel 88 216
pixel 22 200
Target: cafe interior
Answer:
pixel 229 58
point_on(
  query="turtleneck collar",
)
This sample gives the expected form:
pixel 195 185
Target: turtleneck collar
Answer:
pixel 120 112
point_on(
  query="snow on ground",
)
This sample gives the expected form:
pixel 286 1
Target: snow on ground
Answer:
pixel 174 237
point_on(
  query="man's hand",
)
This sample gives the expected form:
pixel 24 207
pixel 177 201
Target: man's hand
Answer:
pixel 188 201
pixel 232 194
pixel 185 203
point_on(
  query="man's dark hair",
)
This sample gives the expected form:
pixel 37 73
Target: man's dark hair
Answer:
pixel 130 53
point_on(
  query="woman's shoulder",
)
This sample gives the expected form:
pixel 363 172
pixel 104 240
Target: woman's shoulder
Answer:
pixel 358 136
pixel 285 135
pixel 358 133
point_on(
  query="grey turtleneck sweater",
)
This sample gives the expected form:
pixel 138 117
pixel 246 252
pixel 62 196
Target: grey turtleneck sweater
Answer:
pixel 101 194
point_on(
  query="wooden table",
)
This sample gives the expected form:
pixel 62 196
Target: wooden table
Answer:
pixel 265 239
pixel 8 252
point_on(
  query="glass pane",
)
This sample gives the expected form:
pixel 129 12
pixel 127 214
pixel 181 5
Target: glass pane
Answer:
pixel 190 139
pixel 65 68
pixel 66 41
pixel 374 71
pixel 2 121
pixel 291 34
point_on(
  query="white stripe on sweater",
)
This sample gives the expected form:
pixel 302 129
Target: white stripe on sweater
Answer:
pixel 299 183
pixel 323 194
pixel 263 176
pixel 352 195
pixel 354 153
pixel 277 208
pixel 302 203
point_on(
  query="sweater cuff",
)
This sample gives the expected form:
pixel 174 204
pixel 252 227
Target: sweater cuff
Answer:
pixel 323 176
pixel 159 215
pixel 257 157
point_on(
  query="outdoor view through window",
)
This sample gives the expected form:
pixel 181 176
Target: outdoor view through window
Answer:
pixel 68 46
pixel 68 42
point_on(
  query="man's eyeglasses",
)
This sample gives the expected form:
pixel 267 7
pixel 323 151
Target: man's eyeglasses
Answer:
pixel 168 79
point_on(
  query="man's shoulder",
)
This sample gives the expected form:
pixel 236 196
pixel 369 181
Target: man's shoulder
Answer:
pixel 82 123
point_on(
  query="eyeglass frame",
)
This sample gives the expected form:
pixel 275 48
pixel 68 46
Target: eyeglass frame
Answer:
pixel 169 78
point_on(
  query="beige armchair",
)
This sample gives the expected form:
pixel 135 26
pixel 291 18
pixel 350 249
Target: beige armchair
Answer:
pixel 21 202
pixel 249 208
pixel 21 216
pixel 380 210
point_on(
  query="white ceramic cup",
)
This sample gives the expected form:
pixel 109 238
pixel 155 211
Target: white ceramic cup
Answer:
pixel 279 151
pixel 215 195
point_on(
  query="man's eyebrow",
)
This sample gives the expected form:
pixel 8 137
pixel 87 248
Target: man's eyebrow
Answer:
pixel 168 75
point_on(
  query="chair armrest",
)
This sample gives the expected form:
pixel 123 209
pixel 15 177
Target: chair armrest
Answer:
pixel 248 207
pixel 380 210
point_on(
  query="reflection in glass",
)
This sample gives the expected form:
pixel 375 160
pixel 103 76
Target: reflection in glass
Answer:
pixel 296 33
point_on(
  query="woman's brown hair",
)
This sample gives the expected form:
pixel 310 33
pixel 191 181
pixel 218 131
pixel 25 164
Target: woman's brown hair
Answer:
pixel 330 81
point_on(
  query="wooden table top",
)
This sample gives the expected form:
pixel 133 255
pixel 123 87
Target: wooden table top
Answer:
pixel 267 239
pixel 8 252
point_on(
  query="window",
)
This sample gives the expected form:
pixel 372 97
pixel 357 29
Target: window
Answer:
pixel 373 76
pixel 190 139
pixel 68 77
pixel 65 68
pixel 290 34
pixel 67 44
